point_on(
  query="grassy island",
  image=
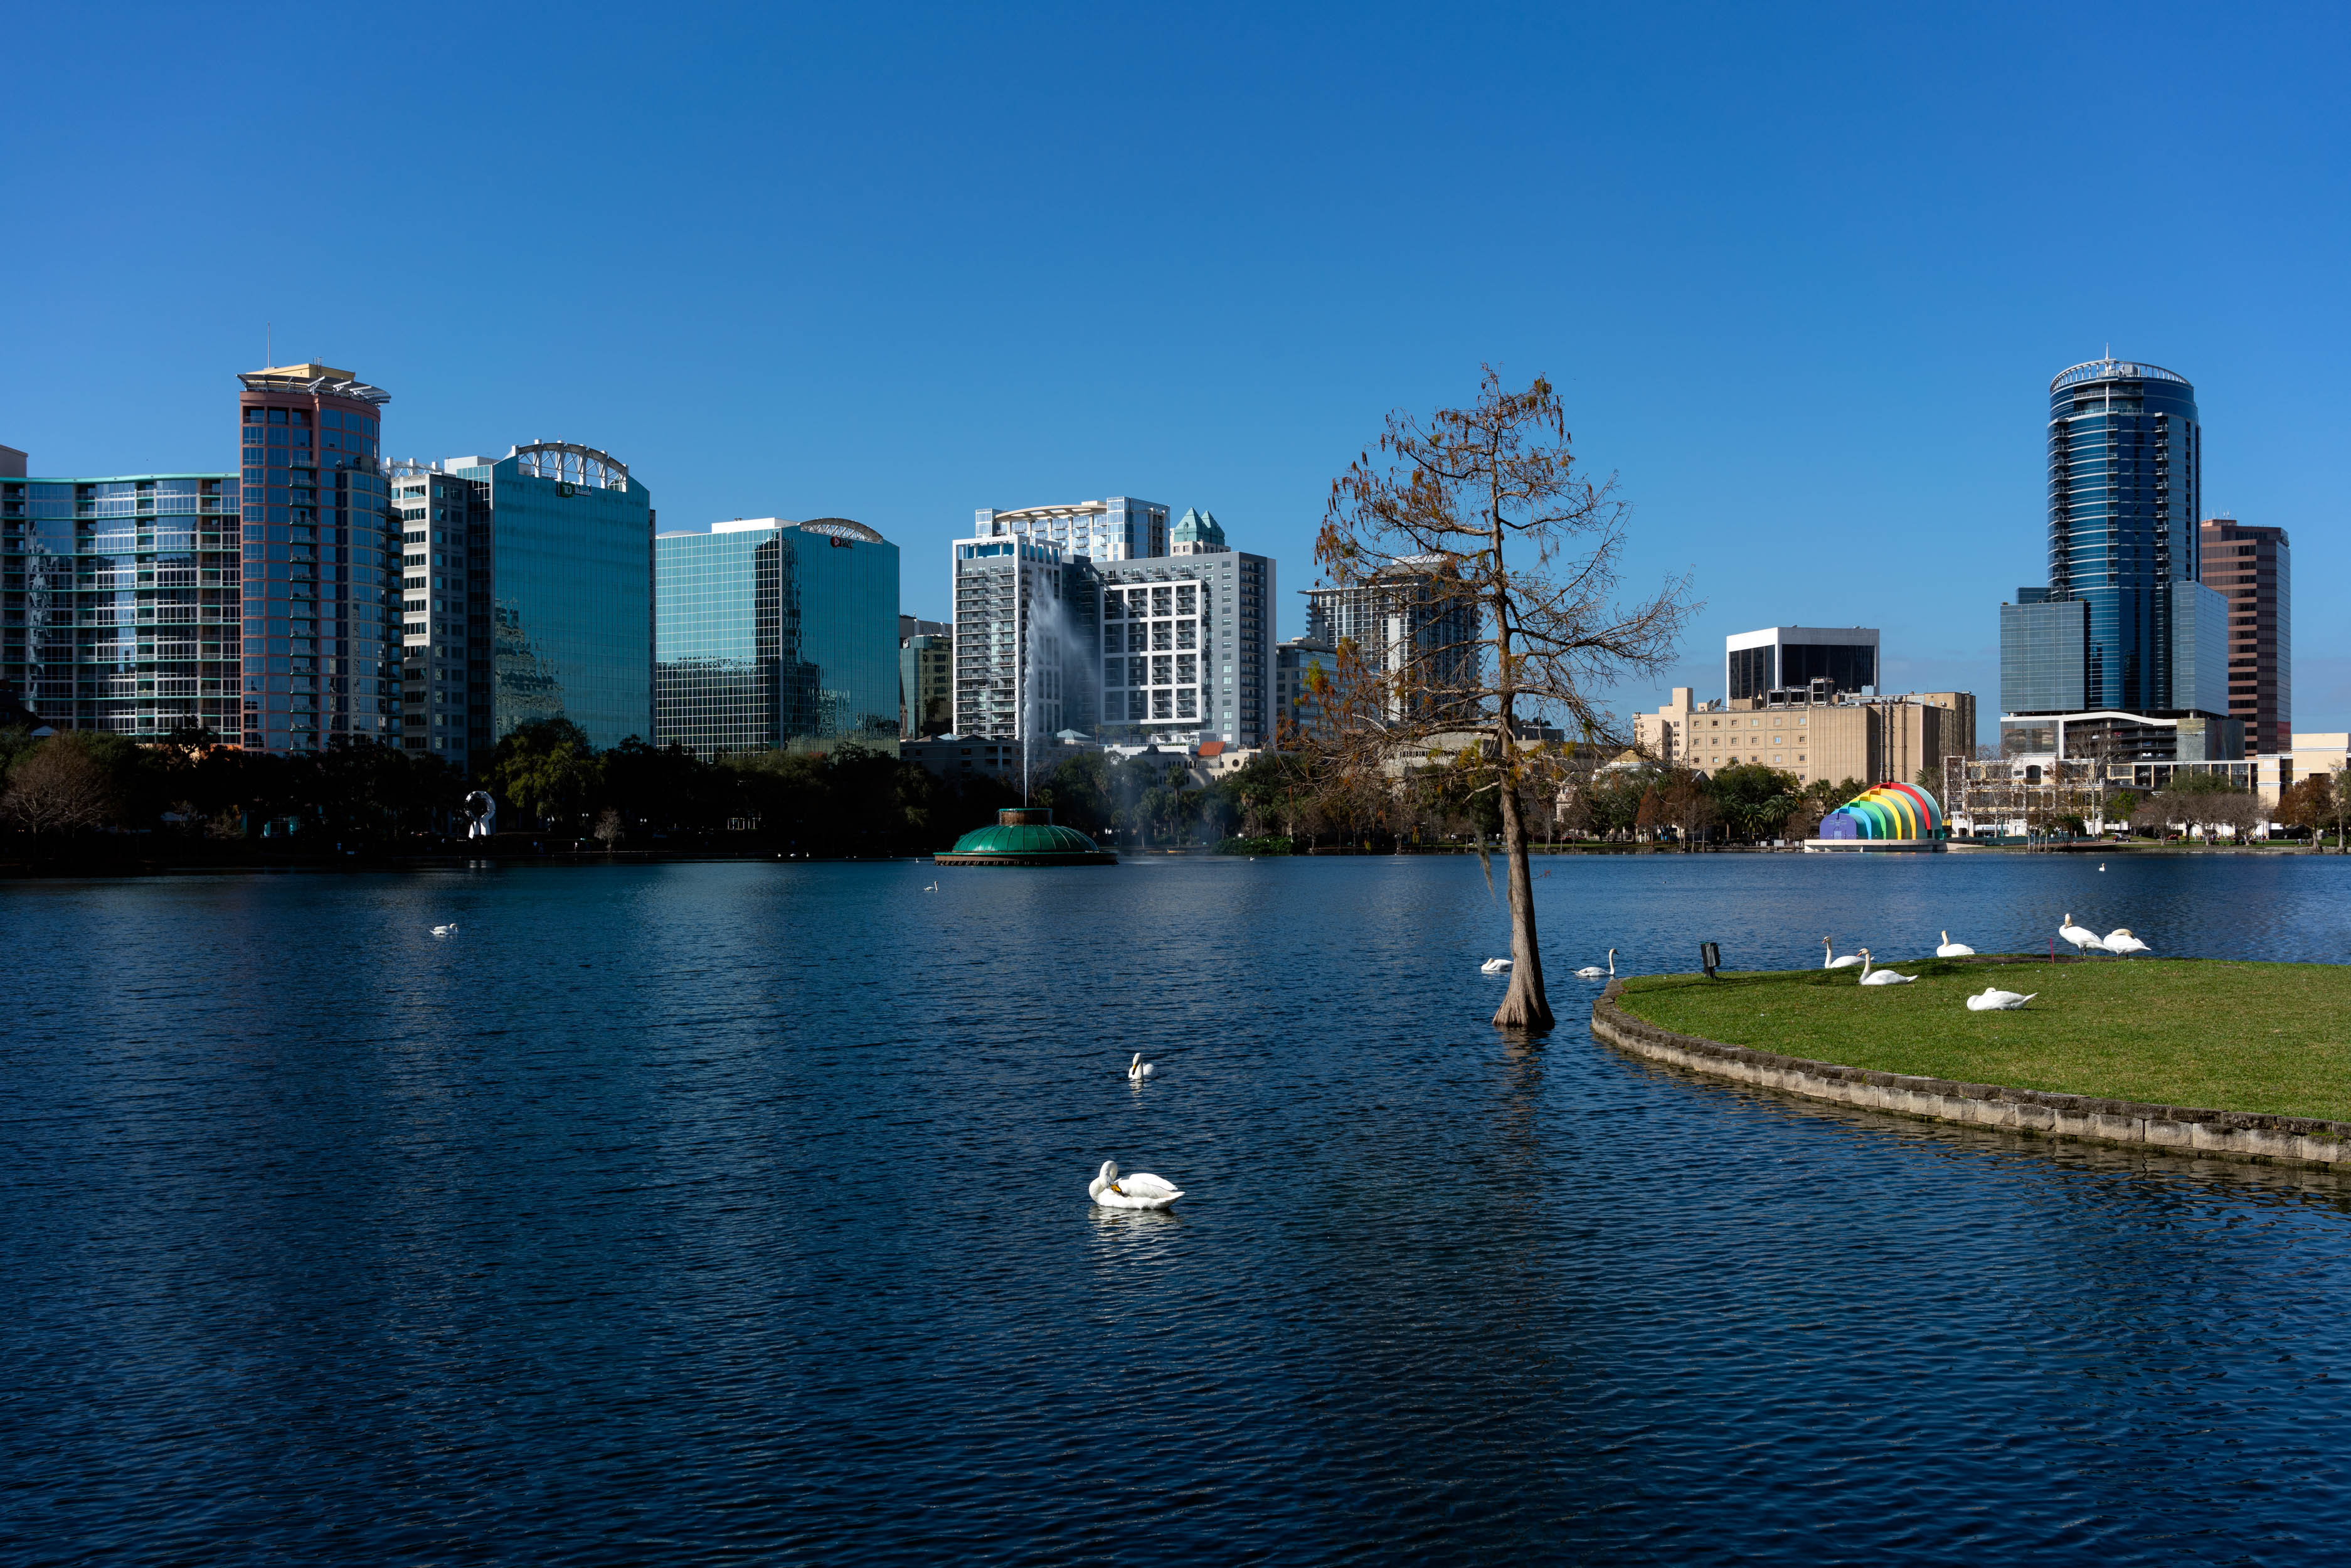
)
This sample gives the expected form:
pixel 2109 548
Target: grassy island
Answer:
pixel 2273 1038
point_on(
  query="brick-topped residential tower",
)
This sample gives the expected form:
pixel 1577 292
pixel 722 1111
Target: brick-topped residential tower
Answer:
pixel 2254 567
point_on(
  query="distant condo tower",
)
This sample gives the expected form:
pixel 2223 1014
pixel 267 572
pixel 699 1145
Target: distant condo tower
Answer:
pixel 320 647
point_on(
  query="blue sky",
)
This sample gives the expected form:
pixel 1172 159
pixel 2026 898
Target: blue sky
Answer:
pixel 1802 274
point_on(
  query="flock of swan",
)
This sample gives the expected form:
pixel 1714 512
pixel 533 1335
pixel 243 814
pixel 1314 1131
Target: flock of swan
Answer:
pixel 1144 1190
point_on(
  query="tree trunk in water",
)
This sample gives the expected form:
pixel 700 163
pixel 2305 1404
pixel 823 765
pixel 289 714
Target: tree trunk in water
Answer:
pixel 1524 1006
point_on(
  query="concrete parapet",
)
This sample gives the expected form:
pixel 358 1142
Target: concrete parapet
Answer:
pixel 2229 1134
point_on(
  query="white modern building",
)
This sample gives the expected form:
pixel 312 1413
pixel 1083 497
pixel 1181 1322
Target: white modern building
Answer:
pixel 1188 650
pixel 1118 528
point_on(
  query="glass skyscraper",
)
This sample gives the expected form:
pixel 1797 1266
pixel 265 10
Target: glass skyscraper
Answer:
pixel 775 634
pixel 119 603
pixel 319 651
pixel 527 594
pixel 2125 455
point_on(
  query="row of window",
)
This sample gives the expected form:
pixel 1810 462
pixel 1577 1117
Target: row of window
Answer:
pixel 1181 599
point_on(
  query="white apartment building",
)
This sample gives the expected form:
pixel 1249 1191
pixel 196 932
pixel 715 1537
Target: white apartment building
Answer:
pixel 1118 528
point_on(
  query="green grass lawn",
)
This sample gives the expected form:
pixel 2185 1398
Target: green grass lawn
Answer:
pixel 2218 1036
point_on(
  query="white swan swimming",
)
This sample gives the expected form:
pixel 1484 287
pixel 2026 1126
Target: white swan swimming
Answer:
pixel 1138 1069
pixel 2081 936
pixel 1594 972
pixel 1495 966
pixel 1881 976
pixel 1995 1001
pixel 448 930
pixel 1829 960
pixel 2120 940
pixel 1140 1190
pixel 1950 949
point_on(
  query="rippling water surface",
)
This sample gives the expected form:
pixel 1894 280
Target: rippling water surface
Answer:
pixel 737 1212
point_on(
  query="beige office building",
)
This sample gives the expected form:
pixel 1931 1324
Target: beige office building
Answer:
pixel 1831 736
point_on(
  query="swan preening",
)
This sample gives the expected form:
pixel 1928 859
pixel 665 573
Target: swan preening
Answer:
pixel 1829 960
pixel 2081 936
pixel 1140 1190
pixel 1881 976
pixel 1138 1069
pixel 1594 972
pixel 448 930
pixel 1950 949
pixel 2120 940
pixel 1995 1001
pixel 1495 966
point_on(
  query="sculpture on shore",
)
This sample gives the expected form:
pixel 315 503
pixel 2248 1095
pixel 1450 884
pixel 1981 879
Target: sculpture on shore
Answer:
pixel 484 809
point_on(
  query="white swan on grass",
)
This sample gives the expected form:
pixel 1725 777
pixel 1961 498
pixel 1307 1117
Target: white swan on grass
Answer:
pixel 1995 1001
pixel 1950 949
pixel 1881 976
pixel 448 930
pixel 1140 1190
pixel 1594 972
pixel 1495 966
pixel 2120 940
pixel 2081 936
pixel 1829 960
pixel 1138 1069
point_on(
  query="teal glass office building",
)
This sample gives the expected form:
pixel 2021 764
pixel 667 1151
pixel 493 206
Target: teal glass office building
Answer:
pixel 529 598
pixel 773 635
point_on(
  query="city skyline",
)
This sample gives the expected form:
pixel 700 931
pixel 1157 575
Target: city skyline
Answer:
pixel 1861 284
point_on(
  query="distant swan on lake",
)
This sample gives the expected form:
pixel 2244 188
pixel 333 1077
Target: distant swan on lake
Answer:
pixel 1995 1001
pixel 1138 1069
pixel 1829 960
pixel 448 930
pixel 1140 1190
pixel 1881 976
pixel 1950 949
pixel 1594 972
pixel 1495 966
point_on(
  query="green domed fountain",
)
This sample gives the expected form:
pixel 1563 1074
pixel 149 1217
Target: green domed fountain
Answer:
pixel 1026 835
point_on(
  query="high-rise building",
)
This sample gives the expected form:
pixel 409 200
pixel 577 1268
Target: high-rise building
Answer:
pixel 11 462
pixel 926 677
pixel 1404 625
pixel 2124 642
pixel 1119 529
pixel 1295 705
pixel 1197 533
pixel 2252 568
pixel 775 636
pixel 319 656
pixel 527 595
pixel 1187 649
pixel 1793 658
pixel 1024 640
pixel 119 603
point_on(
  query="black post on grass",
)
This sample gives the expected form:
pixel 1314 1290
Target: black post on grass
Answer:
pixel 1709 958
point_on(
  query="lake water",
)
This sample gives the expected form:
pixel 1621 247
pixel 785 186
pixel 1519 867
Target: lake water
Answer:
pixel 738 1213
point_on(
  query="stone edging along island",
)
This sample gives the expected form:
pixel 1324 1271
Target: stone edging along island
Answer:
pixel 2229 1135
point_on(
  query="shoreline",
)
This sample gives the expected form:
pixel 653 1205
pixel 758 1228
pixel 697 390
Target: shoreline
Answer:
pixel 2259 1137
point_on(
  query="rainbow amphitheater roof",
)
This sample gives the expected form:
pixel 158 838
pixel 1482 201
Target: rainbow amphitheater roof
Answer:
pixel 1888 811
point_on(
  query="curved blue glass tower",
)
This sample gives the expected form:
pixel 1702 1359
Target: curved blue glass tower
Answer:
pixel 2124 457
